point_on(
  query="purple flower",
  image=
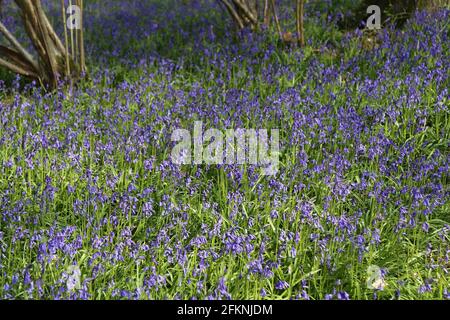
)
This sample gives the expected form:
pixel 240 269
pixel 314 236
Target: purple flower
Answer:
pixel 447 294
pixel 222 290
pixel 342 295
pixel 263 293
pixel 281 285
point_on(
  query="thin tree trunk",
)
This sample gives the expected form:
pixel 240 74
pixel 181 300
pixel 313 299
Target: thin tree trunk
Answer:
pixel 82 54
pixel 300 28
pixel 267 13
pixel 275 16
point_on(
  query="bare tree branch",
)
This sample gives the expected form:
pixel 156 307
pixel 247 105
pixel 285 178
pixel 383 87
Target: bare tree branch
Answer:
pixel 17 69
pixel 25 54
pixel 233 13
pixel 16 58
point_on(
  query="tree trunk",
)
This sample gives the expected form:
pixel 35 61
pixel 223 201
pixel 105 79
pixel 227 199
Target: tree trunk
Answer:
pixel 252 13
pixel 53 62
pixel 245 13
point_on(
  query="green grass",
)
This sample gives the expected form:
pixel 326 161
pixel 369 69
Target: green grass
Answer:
pixel 149 102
